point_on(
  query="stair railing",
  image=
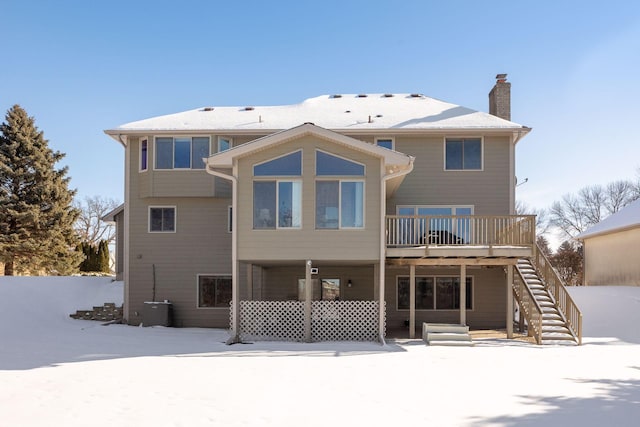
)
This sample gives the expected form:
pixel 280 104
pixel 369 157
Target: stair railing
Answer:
pixel 529 307
pixel 556 287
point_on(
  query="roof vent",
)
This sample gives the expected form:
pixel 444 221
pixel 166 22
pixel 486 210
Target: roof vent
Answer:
pixel 207 109
pixel 378 115
pixel 362 95
pixel 387 95
pixel 249 108
pixel 336 96
pixel 415 95
pixel 348 111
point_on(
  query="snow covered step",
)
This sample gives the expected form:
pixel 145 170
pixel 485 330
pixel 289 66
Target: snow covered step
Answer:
pixel 453 343
pixel 446 334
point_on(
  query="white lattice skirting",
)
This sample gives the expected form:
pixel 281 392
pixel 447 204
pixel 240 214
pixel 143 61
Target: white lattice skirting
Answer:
pixel 330 320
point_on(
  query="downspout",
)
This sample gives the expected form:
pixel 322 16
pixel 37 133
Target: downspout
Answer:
pixel 383 243
pixel 125 245
pixel 235 333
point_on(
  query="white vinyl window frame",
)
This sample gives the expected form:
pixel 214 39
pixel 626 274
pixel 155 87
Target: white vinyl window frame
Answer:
pixel 387 138
pixel 340 182
pixel 277 182
pixel 143 163
pixel 220 144
pixel 338 156
pixel 435 292
pixel 173 144
pixel 198 276
pixel 175 220
pixel 444 154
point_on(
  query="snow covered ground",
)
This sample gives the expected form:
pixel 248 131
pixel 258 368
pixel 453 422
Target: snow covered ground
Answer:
pixel 57 371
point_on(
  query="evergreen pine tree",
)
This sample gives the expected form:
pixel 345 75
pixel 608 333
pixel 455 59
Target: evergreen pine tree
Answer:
pixel 103 257
pixel 36 215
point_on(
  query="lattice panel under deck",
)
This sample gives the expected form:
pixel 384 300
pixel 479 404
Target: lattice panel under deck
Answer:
pixel 272 320
pixel 344 321
pixel 330 320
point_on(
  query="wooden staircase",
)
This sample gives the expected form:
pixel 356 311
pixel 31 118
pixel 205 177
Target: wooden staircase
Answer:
pixel 551 323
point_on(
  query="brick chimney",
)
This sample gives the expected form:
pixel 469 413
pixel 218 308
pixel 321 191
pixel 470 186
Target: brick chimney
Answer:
pixel 500 98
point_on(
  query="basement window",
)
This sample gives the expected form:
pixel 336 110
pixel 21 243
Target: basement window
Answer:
pixel 214 291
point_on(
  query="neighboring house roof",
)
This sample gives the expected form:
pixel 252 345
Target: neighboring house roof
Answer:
pixel 396 112
pixel 626 218
pixel 111 215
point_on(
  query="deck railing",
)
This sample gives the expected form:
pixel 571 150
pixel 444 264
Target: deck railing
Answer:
pixel 529 307
pixel 556 287
pixel 460 230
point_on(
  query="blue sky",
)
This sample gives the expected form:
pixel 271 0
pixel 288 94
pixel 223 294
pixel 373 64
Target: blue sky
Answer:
pixel 81 67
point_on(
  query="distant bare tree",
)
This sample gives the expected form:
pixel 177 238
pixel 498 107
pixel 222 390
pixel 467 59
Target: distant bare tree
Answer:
pixel 542 216
pixel 89 226
pixel 573 214
pixel 619 194
pixel 636 186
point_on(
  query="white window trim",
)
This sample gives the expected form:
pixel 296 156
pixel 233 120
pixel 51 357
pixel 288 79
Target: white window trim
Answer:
pixel 444 154
pixel 174 137
pixel 326 178
pixel 218 143
pixel 277 181
pixel 388 138
pixel 198 290
pixel 435 276
pixel 143 139
pixel 175 219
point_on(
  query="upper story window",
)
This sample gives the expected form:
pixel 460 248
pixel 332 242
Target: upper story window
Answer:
pixel 339 202
pixel 143 154
pixel 277 203
pixel 463 154
pixel 385 142
pixel 224 144
pixel 162 219
pixel 181 152
pixel 287 165
pixel 331 165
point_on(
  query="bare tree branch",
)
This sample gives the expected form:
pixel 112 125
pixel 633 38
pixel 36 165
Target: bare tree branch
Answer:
pixel 89 226
pixel 542 216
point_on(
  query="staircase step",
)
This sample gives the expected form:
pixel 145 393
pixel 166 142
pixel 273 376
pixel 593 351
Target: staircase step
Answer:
pixel 444 327
pixel 446 336
pixel 452 343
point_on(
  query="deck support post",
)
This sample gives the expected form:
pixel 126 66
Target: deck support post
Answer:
pixel 412 301
pixel 308 293
pixel 510 301
pixel 463 294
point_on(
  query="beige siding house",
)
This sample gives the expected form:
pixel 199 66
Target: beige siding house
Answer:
pixel 345 217
pixel 612 249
